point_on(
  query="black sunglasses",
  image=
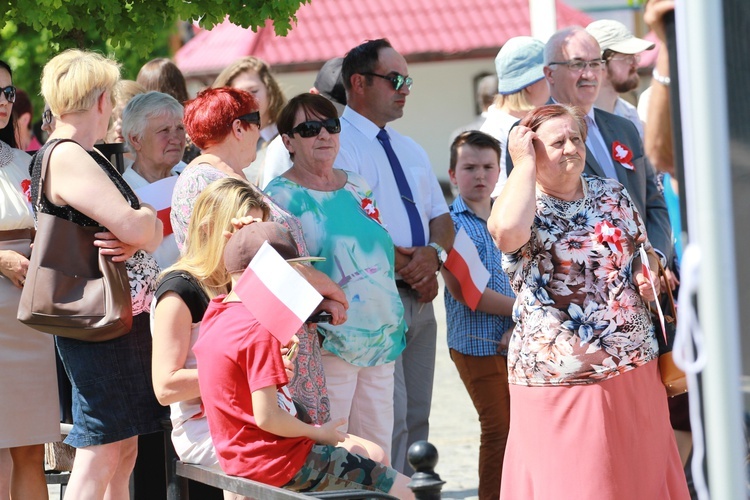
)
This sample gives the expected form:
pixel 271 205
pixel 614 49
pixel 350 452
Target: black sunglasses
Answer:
pixel 10 93
pixel 313 127
pixel 396 80
pixel 253 118
pixel 47 117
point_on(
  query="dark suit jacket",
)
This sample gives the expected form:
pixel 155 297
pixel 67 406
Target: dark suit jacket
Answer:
pixel 640 183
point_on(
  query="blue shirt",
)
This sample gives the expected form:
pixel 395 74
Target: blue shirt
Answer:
pixel 474 333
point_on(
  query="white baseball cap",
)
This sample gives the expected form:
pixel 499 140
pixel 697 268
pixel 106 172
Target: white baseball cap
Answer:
pixel 613 35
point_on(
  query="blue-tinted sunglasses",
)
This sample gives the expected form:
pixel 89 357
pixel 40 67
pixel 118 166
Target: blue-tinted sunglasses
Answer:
pixel 10 93
pixel 396 80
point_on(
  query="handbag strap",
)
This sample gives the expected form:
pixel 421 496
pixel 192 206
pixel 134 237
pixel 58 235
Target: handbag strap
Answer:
pixel 43 170
pixel 662 274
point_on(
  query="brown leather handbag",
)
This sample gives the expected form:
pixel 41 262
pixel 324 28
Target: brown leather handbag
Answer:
pixel 72 290
pixel 673 378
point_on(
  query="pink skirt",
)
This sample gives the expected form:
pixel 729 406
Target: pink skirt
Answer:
pixel 607 441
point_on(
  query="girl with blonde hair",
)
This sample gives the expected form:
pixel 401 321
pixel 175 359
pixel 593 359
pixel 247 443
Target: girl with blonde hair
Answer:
pixel 179 303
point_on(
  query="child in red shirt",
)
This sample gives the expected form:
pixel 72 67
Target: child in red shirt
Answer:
pixel 250 413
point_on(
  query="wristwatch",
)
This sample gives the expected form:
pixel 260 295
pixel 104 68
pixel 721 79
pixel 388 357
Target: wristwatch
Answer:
pixel 442 255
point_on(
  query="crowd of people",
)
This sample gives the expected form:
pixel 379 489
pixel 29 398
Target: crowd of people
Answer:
pixel 554 190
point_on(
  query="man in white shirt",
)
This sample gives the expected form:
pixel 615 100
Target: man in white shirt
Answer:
pixel 414 212
pixel 621 53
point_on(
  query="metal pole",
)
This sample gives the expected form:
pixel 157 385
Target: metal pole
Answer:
pixel 700 31
pixel 425 482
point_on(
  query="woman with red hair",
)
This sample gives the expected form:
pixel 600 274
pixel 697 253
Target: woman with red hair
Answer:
pixel 224 123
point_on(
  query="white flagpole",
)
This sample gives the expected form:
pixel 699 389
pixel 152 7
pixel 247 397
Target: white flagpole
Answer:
pixel 707 168
pixel 543 18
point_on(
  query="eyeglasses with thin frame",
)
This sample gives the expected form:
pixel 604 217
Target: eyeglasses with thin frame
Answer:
pixel 47 117
pixel 10 93
pixel 631 59
pixel 396 80
pixel 312 128
pixel 253 118
pixel 577 65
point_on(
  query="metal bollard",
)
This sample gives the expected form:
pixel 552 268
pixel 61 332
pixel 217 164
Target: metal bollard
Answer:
pixel 425 483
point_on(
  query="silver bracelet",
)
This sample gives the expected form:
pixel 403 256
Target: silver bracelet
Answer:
pixel 664 80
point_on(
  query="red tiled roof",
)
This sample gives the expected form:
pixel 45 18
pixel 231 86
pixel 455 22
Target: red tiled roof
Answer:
pixel 418 29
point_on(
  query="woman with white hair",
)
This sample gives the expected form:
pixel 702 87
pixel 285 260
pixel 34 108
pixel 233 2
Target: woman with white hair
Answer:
pixel 155 134
pixel 521 88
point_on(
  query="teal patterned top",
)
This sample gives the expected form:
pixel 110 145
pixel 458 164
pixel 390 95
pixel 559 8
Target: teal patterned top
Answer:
pixel 344 227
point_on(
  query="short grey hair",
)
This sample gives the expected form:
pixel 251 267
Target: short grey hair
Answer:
pixel 144 107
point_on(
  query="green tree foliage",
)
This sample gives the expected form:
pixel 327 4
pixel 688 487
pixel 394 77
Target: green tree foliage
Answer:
pixel 133 31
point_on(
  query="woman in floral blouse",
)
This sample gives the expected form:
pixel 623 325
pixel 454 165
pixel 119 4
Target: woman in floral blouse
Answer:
pixel 582 362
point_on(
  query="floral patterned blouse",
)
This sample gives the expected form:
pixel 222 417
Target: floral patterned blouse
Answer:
pixel 579 318
pixel 308 386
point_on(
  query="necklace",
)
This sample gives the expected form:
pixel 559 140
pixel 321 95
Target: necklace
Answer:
pixel 6 154
pixel 565 209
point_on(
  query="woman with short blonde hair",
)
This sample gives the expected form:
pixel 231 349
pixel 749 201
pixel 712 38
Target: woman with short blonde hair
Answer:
pixel 113 399
pixel 74 80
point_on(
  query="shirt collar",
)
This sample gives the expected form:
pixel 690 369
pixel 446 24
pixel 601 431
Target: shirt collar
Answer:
pixel 361 123
pixel 592 117
pixel 459 205
pixel 269 132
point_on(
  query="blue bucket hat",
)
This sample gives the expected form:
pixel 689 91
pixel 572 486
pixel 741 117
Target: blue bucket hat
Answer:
pixel 519 64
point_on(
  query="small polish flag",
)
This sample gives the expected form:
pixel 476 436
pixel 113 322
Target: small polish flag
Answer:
pixel 159 195
pixel 649 275
pixel 277 295
pixel 464 263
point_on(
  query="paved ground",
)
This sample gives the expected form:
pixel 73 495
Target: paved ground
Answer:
pixel 454 425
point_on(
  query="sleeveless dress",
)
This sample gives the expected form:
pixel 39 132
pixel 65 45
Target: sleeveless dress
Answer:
pixel 113 396
pixel 28 379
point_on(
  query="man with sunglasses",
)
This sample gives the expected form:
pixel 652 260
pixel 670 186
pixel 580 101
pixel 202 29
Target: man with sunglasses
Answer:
pixel 621 53
pixel 413 209
pixel 574 71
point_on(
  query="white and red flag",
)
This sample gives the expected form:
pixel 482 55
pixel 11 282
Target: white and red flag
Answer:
pixel 464 263
pixel 277 295
pixel 159 195
pixel 650 276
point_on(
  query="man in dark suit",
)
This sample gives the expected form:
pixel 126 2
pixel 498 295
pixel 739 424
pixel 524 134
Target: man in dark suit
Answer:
pixel 573 68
